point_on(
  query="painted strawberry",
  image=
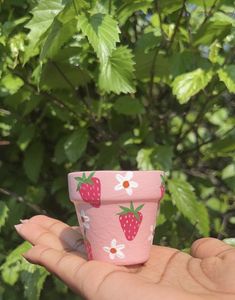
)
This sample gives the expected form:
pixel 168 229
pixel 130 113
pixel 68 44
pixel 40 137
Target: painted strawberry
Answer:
pixel 88 249
pixel 130 220
pixel 89 189
pixel 162 187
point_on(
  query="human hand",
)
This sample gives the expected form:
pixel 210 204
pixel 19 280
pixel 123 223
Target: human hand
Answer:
pixel 208 273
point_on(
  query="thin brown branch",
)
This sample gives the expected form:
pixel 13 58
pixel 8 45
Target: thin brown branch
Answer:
pixel 66 79
pixel 224 224
pixel 210 13
pixel 110 6
pixel 197 148
pixel 75 7
pixel 160 18
pixel 21 199
pixel 177 24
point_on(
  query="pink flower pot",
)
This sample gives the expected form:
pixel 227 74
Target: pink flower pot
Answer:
pixel 117 212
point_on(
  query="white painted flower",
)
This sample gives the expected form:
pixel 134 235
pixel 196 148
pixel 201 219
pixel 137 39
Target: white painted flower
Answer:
pixel 151 236
pixel 85 219
pixel 115 250
pixel 126 183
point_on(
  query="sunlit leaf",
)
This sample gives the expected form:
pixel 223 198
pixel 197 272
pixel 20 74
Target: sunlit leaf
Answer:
pixel 117 74
pixel 184 198
pixel 131 6
pixel 144 159
pixel 43 16
pixel 33 278
pixel 3 213
pixel 187 85
pixel 227 75
pixel 102 32
pixel 76 144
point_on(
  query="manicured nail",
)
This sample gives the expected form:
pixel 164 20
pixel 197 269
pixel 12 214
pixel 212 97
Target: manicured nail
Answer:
pixel 18 227
pixel 25 255
pixel 24 221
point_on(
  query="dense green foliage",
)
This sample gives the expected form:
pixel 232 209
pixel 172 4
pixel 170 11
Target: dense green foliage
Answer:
pixel 88 85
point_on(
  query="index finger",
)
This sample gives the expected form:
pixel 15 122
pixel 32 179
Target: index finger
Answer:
pixel 60 229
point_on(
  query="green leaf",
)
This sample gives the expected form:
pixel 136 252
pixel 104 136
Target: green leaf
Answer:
pixel 189 84
pixel 54 74
pixel 145 63
pixel 3 213
pixel 59 34
pixel 43 16
pixel 217 28
pixel 132 206
pixel 227 75
pixel 214 52
pixel 230 241
pixel 62 29
pixel 33 278
pixel 102 32
pixel 203 224
pixel 10 275
pixel 217 205
pixel 202 3
pixel 169 6
pixel 162 157
pixel 139 207
pixel 143 159
pixel 159 157
pixel 146 42
pixel 11 83
pixel 225 145
pixel 184 198
pixel 26 135
pixel 12 266
pixel 59 154
pixel 75 144
pixel 117 74
pixel 131 6
pixel 128 106
pixel 33 161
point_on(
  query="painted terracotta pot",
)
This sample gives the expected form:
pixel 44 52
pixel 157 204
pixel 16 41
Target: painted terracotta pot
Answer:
pixel 117 212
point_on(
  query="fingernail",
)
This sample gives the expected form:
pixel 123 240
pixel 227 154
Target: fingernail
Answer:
pixel 25 255
pixel 24 221
pixel 18 227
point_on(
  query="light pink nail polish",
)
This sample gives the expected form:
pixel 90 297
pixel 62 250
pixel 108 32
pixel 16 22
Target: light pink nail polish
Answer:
pixel 24 221
pixel 18 227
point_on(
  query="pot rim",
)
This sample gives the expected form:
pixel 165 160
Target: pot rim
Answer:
pixel 117 171
pixel 145 185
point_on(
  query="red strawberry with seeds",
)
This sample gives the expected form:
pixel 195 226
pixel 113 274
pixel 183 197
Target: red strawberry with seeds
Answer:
pixel 88 249
pixel 89 189
pixel 130 220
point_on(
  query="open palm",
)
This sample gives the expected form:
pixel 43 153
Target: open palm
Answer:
pixel 208 273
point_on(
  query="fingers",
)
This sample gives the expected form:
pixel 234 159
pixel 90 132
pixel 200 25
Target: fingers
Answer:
pixel 81 276
pixel 53 233
pixel 64 265
pixel 49 223
pixel 71 236
pixel 36 234
pixel 208 247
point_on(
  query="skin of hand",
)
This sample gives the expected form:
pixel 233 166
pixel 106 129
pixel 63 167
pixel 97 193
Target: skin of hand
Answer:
pixel 207 273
